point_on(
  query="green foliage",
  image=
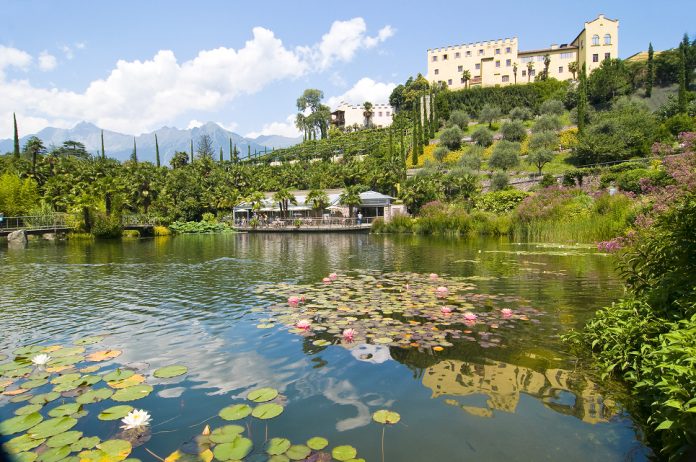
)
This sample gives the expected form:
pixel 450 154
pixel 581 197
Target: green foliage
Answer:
pixel 489 113
pixel 106 227
pixel 513 131
pixel 17 196
pixel 544 140
pixel 547 123
pixel 506 154
pixel 460 119
pixel 540 157
pixel 608 81
pixel 193 227
pixel 552 107
pixel 499 181
pixel 472 158
pixel 630 180
pixel 452 138
pixel 482 136
pixel 499 201
pixel 520 113
pixel 440 152
pixel 548 180
pixel 680 123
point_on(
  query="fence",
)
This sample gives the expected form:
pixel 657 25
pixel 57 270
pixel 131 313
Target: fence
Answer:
pixel 48 222
pixel 308 224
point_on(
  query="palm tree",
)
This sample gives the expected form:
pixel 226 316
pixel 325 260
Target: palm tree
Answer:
pixel 284 198
pixel 514 71
pixel 547 63
pixel 351 197
pixel 318 198
pixel 466 76
pixel 530 68
pixel 573 68
pixel 368 112
pixel 256 200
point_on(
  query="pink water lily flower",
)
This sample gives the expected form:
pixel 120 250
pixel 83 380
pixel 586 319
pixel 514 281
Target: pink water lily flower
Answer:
pixel 349 334
pixel 293 300
pixel 303 324
pixel 446 310
pixel 441 292
pixel 333 276
pixel 469 316
pixel 433 276
pixel 507 312
pixel 326 280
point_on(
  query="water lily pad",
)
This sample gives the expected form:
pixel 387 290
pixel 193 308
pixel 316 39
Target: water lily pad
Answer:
pixel 59 364
pixel 298 452
pixel 317 443
pixel 89 340
pixel 170 371
pixel 261 395
pixel 277 446
pixel 383 340
pixel 321 342
pixel 22 443
pixel 344 453
pixel 226 434
pixel 132 393
pixel 104 355
pixel 52 427
pixel 116 449
pixel 28 385
pixel 235 412
pixel 65 378
pixel 20 423
pixel 267 411
pixel 94 396
pixel 45 398
pixel 65 410
pixel 279 458
pixel 28 350
pixel 28 409
pixel 118 374
pixel 85 443
pixel 236 450
pixel 55 454
pixel 386 417
pixel 134 379
pixel 267 325
pixel 25 457
pixel 115 412
pixel 64 439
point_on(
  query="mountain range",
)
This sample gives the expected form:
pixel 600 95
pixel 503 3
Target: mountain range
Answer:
pixel 120 146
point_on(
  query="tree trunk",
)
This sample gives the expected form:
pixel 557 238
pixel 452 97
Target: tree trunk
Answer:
pixel 86 217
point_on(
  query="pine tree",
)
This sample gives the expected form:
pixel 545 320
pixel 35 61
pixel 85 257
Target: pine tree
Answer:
pixel 582 99
pixel 134 154
pixel 681 97
pixel 157 156
pixel 651 72
pixel 191 151
pixel 221 159
pixel 103 153
pixel 16 137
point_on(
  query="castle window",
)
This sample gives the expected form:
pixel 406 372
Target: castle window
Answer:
pixel 437 71
pixel 595 39
pixel 477 66
pixel 524 73
pixel 468 53
pixel 480 51
pixel 497 64
pixel 560 69
pixel 508 49
pixel 434 58
pixel 497 51
pixel 457 55
pixel 508 62
pixel 379 114
pixel 607 39
pixel 607 55
pixel 595 58
pixel 460 68
pixel 449 81
pixel 444 57
pixel 506 78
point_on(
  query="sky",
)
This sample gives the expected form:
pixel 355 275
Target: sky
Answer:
pixel 135 66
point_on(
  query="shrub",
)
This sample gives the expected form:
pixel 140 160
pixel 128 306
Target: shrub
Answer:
pixel 513 131
pixel 499 201
pixel 460 119
pixel 569 138
pixel 440 153
pixel 162 231
pixel 680 123
pixel 540 157
pixel 104 227
pixel 505 155
pixel 452 138
pixel 17 196
pixel 547 123
pixel 543 140
pixel 548 180
pixel 188 227
pixel 472 158
pixel 520 113
pixel 499 181
pixel 489 113
pixel 552 107
pixel 482 136
pixel 632 180
pixel 530 96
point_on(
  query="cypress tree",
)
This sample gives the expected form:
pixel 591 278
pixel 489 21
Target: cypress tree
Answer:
pixel 414 146
pixel 191 151
pixel 134 154
pixel 157 156
pixel 221 159
pixel 103 153
pixel 391 145
pixel 16 137
pixel 248 151
pixel 681 97
pixel 235 154
pixel 582 99
pixel 433 128
pixel 651 72
pixel 403 152
pixel 231 151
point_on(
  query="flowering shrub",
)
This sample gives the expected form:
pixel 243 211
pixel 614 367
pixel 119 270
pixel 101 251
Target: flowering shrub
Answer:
pixel 569 138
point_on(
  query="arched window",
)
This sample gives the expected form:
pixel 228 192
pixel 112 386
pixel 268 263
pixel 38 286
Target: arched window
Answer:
pixel 595 39
pixel 607 39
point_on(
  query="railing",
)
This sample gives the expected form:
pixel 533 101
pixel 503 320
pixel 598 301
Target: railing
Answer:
pixel 46 222
pixel 305 223
pixel 141 219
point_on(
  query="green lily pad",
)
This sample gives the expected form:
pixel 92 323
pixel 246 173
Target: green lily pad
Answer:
pixel 267 411
pixel 317 443
pixel 23 397
pixel 63 439
pixel 344 453
pixel 65 410
pixel 235 412
pixel 45 398
pixel 132 393
pixel 236 450
pixel 89 340
pixel 279 458
pixel 170 371
pixel 66 378
pixel 298 452
pixel 52 427
pixel 277 446
pixel 20 423
pixel 226 434
pixel 94 396
pixel 85 443
pixel 66 361
pixel 22 443
pixel 262 395
pixel 25 457
pixel 55 454
pixel 383 340
pixel 266 325
pixel 28 385
pixel 28 350
pixel 118 374
pixel 70 351
pixel 115 412
pixel 116 449
pixel 28 409
pixel 321 342
pixel 386 417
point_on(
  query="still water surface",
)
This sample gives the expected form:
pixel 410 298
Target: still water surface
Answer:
pixel 192 300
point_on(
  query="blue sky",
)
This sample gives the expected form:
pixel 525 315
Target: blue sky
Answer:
pixel 134 66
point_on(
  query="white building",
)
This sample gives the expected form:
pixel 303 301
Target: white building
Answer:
pixel 350 115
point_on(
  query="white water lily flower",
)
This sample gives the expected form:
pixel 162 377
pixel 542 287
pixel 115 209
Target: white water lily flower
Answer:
pixel 136 418
pixel 41 359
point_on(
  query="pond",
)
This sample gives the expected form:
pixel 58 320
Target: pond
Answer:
pixel 476 372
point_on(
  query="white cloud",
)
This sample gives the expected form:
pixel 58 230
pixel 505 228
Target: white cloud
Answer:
pixel 286 128
pixel 194 124
pixel 364 89
pixel 138 96
pixel 47 61
pixel 230 127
